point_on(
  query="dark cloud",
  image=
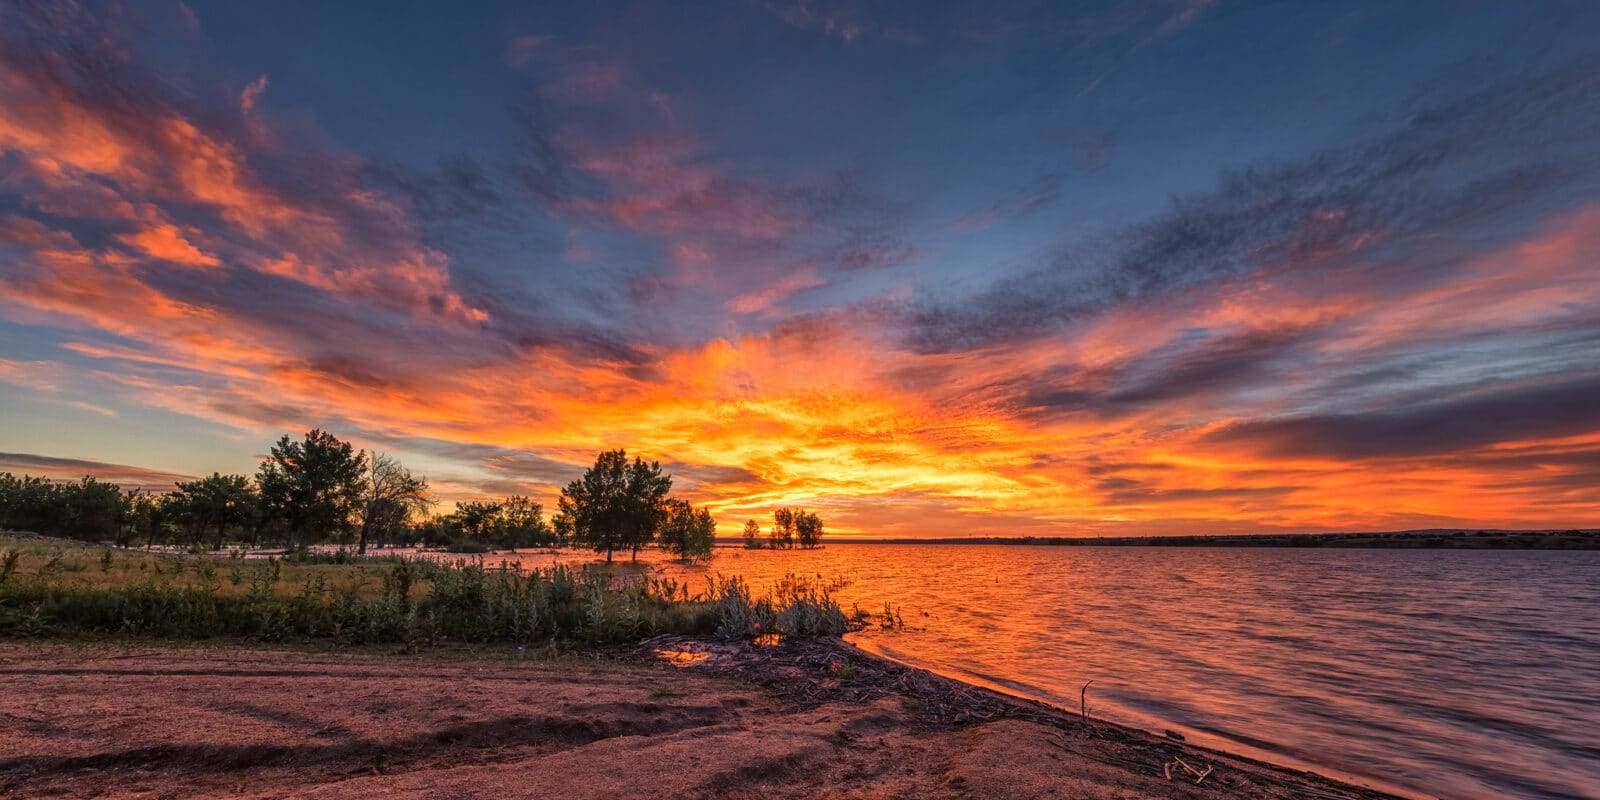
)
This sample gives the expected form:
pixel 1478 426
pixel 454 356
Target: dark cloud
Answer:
pixel 1530 411
pixel 697 476
pixel 458 188
pixel 1099 467
pixel 1193 366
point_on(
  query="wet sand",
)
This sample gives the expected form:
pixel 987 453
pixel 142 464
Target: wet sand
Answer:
pixel 813 720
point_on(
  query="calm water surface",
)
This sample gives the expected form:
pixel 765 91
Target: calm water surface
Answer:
pixel 1471 674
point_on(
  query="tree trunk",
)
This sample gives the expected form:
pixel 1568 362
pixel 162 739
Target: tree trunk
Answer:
pixel 366 523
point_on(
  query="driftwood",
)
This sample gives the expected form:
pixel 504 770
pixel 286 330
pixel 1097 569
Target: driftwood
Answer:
pixel 1176 761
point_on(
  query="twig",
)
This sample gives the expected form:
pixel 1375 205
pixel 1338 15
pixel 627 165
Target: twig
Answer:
pixel 1083 702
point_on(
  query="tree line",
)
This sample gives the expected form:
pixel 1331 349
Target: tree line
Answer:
pixel 321 490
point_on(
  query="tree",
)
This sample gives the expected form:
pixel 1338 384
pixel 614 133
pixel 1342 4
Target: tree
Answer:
pixel 561 524
pixel 212 504
pixel 86 509
pixel 522 524
pixel 686 532
pixel 782 534
pixel 390 495
pixel 142 518
pixel 752 535
pixel 313 486
pixel 808 528
pixel 94 509
pixel 616 504
pixel 513 522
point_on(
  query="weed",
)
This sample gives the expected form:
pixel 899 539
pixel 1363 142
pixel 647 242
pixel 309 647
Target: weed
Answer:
pixel 9 565
pixel 411 603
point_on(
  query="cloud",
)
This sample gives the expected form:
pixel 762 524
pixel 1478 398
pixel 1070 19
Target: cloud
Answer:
pixel 1020 204
pixel 251 93
pixel 522 49
pixel 1182 370
pixel 128 477
pixel 606 150
pixel 1470 422
pixel 1379 208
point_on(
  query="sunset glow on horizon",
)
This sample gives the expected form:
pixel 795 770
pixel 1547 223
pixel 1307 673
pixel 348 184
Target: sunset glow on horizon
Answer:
pixel 1131 268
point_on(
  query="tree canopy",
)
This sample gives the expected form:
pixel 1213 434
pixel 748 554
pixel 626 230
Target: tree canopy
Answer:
pixel 314 485
pixel 617 504
pixel 687 532
pixel 213 504
pixel 791 526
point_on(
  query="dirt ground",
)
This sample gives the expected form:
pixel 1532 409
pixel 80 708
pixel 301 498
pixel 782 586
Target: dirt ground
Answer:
pixel 816 721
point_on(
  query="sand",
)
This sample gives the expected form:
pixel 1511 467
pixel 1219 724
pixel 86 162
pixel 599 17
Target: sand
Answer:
pixel 814 720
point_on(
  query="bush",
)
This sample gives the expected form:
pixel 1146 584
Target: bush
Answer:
pixel 391 600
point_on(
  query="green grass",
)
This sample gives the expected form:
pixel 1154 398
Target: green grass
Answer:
pixel 52 588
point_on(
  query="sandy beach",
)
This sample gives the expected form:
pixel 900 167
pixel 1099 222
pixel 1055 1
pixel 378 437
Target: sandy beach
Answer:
pixel 672 718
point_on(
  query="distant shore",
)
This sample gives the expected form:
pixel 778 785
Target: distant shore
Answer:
pixel 1439 539
pixel 813 719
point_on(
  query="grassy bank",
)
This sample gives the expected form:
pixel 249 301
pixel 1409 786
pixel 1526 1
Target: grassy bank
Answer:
pixel 60 588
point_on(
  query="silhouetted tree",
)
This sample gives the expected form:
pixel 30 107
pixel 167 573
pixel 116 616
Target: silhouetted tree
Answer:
pixel 616 504
pixel 486 524
pixel 808 529
pixel 142 518
pixel 687 532
pixel 522 524
pixel 752 535
pixel 213 504
pixel 390 495
pixel 782 534
pixel 561 524
pixel 314 486
pixel 85 509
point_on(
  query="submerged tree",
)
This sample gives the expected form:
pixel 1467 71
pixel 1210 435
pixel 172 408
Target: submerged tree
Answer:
pixel 687 532
pixel 312 486
pixel 616 505
pixel 752 535
pixel 791 526
pixel 213 504
pixel 390 495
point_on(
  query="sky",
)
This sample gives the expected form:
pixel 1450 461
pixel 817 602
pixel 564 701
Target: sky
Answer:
pixel 1001 268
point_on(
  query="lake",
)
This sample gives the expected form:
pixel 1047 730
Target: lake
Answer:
pixel 1459 674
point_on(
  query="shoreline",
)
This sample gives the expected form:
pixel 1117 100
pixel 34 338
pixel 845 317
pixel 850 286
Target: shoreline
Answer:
pixel 1222 745
pixel 799 719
